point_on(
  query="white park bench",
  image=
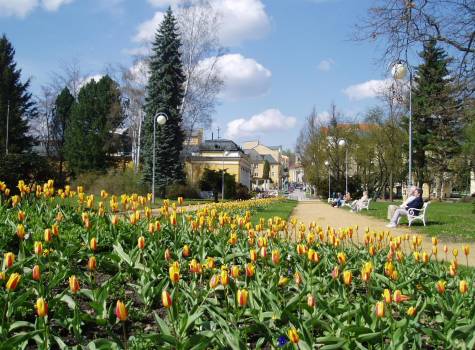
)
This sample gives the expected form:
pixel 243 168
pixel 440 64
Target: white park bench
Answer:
pixel 418 214
pixel 364 206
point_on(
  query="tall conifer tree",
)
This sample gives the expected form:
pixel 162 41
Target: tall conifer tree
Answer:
pixel 89 131
pixel 437 121
pixel 16 103
pixel 165 95
pixel 63 108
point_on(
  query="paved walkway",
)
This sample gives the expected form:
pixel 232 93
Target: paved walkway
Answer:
pixel 324 215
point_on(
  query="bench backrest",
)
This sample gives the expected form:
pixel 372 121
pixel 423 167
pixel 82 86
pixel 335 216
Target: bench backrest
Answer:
pixel 424 209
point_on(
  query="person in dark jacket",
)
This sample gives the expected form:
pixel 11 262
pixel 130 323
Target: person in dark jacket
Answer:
pixel 417 203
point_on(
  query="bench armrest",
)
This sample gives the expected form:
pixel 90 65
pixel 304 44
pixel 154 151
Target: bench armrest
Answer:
pixel 414 211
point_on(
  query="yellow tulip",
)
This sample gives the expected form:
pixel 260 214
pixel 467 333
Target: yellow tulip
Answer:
pixel 242 297
pixel 41 307
pixel 166 299
pixel 293 335
pixel 13 281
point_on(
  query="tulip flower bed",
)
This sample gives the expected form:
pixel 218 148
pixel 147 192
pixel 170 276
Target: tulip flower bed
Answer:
pixel 79 276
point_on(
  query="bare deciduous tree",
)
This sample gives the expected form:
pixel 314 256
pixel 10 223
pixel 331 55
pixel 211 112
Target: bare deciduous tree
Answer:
pixel 201 50
pixel 402 26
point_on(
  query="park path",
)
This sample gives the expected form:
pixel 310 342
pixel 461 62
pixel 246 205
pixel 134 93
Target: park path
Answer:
pixel 325 215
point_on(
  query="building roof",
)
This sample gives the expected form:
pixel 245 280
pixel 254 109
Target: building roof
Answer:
pixel 219 145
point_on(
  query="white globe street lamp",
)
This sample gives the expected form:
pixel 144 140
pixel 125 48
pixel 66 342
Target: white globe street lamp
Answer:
pixel 161 119
pixel 225 154
pixel 327 164
pixel 342 143
pixel 399 72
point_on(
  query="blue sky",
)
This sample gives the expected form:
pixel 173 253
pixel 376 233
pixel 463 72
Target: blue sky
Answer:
pixel 284 56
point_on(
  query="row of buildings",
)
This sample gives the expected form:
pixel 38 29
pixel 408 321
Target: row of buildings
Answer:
pixel 246 162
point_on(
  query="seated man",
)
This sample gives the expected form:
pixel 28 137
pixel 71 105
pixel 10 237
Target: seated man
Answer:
pixel 410 197
pixel 360 203
pixel 416 203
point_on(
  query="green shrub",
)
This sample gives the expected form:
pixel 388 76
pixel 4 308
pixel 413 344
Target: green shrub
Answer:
pixel 27 167
pixel 113 181
pixel 180 190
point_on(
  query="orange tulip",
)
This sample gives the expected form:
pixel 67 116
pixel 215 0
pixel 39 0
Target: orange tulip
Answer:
pixel 174 272
pixel 36 273
pixel 41 307
pixel 235 271
pixel 214 281
pixel 115 219
pixel 387 296
pixel 242 296
pixel 425 257
pixel 311 302
pixel 93 244
pixel 463 287
pixel 210 262
pixel 186 251
pixel 313 256
pixel 293 335
pixel 141 242
pixel 74 284
pixel 298 278
pixel 13 281
pixel 347 277
pixel 263 252
pixel 440 285
pixel 20 231
pixel 253 254
pixel 195 266
pixel 335 272
pixel 121 311
pixel 275 257
pixel 21 215
pixel 180 200
pixel 466 249
pixel 411 311
pixel 301 249
pixel 166 299
pixel 224 277
pixel 398 297
pixel 250 270
pixel 9 259
pixel 38 248
pixel 379 309
pixel 92 263
pixel 341 258
pixel 48 236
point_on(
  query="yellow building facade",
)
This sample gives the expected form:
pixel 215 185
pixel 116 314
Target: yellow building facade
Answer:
pixel 259 154
pixel 217 155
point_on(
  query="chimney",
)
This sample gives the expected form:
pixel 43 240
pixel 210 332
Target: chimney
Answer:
pixel 212 136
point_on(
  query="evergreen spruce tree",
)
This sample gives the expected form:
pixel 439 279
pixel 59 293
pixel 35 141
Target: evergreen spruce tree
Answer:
pixel 164 95
pixel 89 131
pixel 63 108
pixel 436 120
pixel 16 103
pixel 266 170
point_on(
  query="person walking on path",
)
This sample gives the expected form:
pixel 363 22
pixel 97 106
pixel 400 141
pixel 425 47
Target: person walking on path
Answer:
pixel 416 203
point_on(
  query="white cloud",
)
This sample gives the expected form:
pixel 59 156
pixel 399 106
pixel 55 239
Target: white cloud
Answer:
pixel 265 122
pixel 53 5
pixel 239 20
pixel 368 89
pixel 146 31
pixel 19 8
pixel 243 77
pixel 326 64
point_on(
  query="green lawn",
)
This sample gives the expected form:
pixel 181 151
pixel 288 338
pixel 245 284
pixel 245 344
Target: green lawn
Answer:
pixel 282 209
pixel 455 220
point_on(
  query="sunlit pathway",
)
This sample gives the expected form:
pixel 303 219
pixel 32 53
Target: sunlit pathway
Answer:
pixel 324 215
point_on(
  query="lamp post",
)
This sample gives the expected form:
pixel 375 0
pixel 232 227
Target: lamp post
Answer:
pixel 6 136
pixel 327 163
pixel 342 143
pixel 161 119
pixel 399 72
pixel 225 154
